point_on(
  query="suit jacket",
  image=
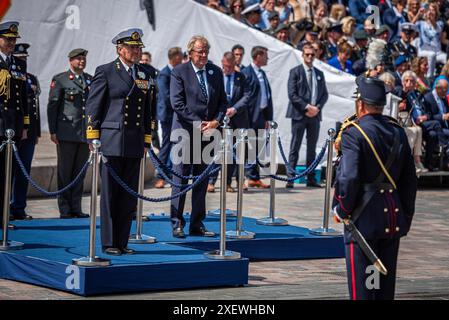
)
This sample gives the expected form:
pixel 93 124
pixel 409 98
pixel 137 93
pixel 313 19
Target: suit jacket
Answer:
pixel 433 110
pixel 257 116
pixel 239 101
pixel 120 110
pixel 187 100
pixel 164 108
pixel 66 106
pixel 299 93
pixel 14 112
pixel 389 213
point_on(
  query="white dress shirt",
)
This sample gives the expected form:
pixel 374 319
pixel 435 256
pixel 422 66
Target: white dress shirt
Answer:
pixel 314 93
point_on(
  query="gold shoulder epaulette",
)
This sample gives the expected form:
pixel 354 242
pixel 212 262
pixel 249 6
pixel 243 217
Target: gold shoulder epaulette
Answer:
pixel 348 122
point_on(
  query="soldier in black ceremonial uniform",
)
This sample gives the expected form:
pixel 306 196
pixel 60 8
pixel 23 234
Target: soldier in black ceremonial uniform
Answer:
pixel 66 112
pixel 27 145
pixel 13 96
pixel 375 187
pixel 120 112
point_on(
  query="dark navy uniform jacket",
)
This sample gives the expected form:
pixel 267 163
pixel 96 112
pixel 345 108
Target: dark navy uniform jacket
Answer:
pixel 120 110
pixel 13 97
pixel 34 91
pixel 66 106
pixel 389 213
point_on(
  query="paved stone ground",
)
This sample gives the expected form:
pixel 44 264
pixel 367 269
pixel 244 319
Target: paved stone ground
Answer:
pixel 423 270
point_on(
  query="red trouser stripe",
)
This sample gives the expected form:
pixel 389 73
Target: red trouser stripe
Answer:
pixel 354 293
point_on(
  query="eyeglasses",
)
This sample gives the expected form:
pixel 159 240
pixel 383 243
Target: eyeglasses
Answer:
pixel 237 5
pixel 309 54
pixel 202 52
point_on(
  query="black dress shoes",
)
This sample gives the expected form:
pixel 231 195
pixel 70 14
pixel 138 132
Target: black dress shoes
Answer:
pixel 22 216
pixel 128 251
pixel 201 232
pixel 66 216
pixel 112 251
pixel 80 215
pixel 178 233
pixel 313 184
pixel 289 185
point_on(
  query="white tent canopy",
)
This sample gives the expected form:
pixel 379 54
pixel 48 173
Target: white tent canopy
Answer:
pixel 54 27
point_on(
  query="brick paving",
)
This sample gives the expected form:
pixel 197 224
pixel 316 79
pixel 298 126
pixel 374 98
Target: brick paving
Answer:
pixel 423 268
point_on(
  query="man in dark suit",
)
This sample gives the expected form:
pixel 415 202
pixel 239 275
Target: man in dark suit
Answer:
pixel 198 98
pixel 26 147
pixel 237 93
pixel 375 188
pixel 307 93
pixel 120 112
pixel 260 105
pixel 65 111
pixel 165 110
pixel 436 105
pixel 13 96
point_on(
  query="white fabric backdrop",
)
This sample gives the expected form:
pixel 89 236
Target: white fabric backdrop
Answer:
pixel 48 27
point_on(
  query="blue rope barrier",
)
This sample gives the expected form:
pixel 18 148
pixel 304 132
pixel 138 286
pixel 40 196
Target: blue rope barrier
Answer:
pixel 160 165
pixel 42 190
pixel 209 171
pixel 306 172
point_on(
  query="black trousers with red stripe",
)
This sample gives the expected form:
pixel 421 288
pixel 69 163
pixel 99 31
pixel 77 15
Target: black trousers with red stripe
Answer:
pixel 362 281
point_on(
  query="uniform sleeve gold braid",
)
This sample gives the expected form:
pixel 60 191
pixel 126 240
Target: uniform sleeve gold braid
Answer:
pixel 153 125
pixel 5 83
pixel 148 138
pixel 92 134
pixel 346 123
pixel 26 120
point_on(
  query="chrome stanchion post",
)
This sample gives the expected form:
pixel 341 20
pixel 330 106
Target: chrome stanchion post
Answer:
pixel 325 230
pixel 8 245
pixel 222 253
pixel 92 260
pixel 138 237
pixel 271 220
pixel 238 233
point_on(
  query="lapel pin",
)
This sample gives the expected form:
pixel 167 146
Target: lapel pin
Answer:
pixel 211 72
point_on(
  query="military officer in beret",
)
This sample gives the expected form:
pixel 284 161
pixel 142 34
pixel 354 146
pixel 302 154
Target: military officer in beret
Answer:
pixel 120 112
pixel 66 112
pixel 26 148
pixel 13 95
pixel 375 188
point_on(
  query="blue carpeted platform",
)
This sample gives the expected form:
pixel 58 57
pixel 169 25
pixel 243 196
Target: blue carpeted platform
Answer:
pixel 51 244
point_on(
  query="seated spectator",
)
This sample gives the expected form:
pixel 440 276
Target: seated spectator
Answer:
pixel 273 20
pixel 393 17
pixel 404 46
pixel 214 4
pixel 285 10
pixel 252 16
pixel 401 64
pixel 334 34
pixel 430 36
pixel 236 7
pixel 444 75
pixel 310 36
pixel 420 67
pixel 268 8
pixel 390 83
pixel 348 28
pixel 341 60
pixel 319 50
pixel 338 12
pixel 414 11
pixel 319 14
pixel 360 46
pixel 282 33
pixel 369 28
pixel 413 117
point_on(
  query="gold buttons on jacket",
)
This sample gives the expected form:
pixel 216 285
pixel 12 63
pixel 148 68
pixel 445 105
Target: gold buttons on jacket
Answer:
pixel 382 190
pixel 126 123
pixel 138 116
pixel 17 87
pixel 385 210
pixel 140 99
pixel 126 106
pixel 387 230
pixel 126 114
pixel 397 229
pixel 396 210
pixel 137 124
pixel 391 190
pixel 138 108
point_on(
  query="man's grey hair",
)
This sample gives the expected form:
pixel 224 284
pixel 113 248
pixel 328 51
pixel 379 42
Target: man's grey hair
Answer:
pixel 408 74
pixel 440 83
pixel 196 39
